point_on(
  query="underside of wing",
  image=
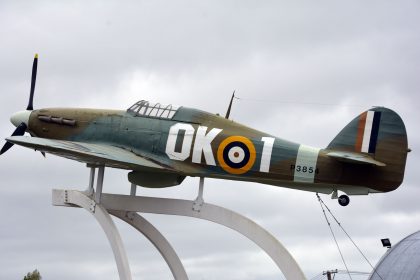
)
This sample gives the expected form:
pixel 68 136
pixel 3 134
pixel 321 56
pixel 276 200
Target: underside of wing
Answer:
pixel 98 154
pixel 357 158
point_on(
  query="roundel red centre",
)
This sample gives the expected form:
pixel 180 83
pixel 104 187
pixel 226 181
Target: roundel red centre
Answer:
pixel 236 154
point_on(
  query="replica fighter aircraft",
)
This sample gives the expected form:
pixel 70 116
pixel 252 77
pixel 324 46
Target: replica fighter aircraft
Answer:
pixel 161 145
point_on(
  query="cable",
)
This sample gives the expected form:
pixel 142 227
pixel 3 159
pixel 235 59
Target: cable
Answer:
pixel 354 272
pixel 332 232
pixel 319 276
pixel 339 224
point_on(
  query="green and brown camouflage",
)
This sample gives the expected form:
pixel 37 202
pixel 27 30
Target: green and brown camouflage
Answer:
pixel 163 144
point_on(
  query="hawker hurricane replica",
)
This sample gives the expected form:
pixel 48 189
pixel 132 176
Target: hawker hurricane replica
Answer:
pixel 162 144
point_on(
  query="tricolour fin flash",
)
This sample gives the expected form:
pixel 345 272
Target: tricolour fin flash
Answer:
pixel 367 131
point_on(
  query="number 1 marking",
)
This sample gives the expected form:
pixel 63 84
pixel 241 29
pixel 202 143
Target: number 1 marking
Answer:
pixel 266 153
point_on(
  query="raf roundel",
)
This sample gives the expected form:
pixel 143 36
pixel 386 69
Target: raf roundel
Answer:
pixel 236 154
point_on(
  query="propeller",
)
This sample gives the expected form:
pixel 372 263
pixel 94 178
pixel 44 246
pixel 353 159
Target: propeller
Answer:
pixel 19 131
pixel 33 81
pixel 21 128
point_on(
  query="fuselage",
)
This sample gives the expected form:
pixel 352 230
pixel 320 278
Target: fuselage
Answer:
pixel 207 145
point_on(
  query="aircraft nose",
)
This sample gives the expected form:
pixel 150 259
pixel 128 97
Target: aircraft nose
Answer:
pixel 20 117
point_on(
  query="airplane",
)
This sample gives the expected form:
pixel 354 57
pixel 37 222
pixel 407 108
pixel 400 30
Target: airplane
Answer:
pixel 162 144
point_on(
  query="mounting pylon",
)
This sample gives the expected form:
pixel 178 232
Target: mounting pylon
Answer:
pixel 125 207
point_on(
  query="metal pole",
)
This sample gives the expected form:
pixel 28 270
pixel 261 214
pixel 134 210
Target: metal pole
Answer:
pixel 133 189
pixel 91 180
pixel 201 187
pixel 199 201
pixel 99 184
pixel 329 273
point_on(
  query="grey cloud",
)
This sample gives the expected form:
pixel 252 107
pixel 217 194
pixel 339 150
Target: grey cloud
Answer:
pixel 281 58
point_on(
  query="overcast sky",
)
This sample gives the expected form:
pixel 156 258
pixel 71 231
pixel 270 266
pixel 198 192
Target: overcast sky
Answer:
pixel 302 71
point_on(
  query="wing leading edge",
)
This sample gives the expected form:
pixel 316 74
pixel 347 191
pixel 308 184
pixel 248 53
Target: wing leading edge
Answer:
pixel 100 154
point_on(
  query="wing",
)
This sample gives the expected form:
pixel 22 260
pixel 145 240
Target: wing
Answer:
pixel 357 158
pixel 99 154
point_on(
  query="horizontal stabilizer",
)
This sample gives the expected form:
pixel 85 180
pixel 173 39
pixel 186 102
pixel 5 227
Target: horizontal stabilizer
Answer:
pixel 357 158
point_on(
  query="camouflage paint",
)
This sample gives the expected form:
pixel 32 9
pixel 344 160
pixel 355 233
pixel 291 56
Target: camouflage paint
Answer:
pixel 269 160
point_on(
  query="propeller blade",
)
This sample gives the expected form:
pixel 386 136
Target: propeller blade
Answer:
pixel 19 131
pixel 6 147
pixel 33 81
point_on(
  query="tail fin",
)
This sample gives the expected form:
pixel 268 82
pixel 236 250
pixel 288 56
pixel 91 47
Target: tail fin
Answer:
pixel 378 133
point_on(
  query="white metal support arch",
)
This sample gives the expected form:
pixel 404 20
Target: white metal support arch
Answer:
pixel 157 239
pixel 71 198
pixel 277 252
pixel 76 198
pixel 119 205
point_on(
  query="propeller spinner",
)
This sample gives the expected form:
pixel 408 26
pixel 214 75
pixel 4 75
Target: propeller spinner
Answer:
pixel 20 119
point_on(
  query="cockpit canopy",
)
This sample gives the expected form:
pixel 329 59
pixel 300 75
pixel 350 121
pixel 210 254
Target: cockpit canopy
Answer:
pixel 144 108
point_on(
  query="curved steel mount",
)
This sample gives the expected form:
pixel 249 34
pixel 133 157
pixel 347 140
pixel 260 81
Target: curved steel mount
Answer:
pixel 156 238
pixel 125 207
